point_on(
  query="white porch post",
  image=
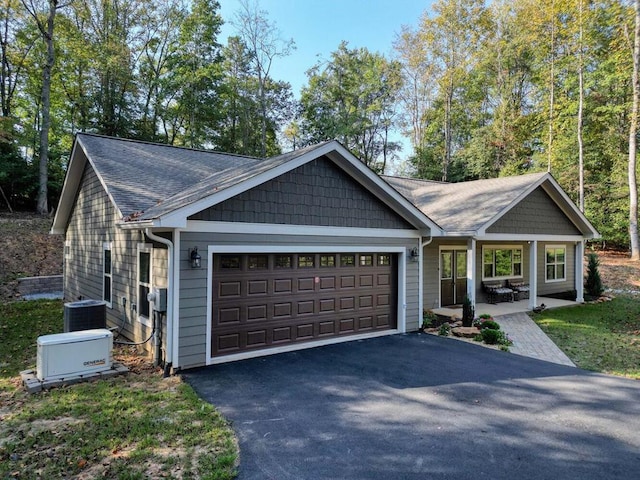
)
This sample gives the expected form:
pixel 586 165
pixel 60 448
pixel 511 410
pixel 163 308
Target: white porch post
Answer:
pixel 471 271
pixel 579 272
pixel 533 273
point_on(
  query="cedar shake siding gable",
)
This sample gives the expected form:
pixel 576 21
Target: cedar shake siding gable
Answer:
pixel 536 214
pixel 316 193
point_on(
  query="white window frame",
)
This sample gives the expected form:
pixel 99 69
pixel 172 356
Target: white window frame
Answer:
pixel 144 248
pixel 502 247
pixel 106 246
pixel 555 263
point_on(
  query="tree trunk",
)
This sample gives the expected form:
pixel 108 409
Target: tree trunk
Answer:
pixel 551 86
pixel 633 129
pixel 580 112
pixel 47 34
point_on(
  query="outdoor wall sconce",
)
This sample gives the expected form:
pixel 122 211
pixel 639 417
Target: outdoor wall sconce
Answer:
pixel 196 259
pixel 413 254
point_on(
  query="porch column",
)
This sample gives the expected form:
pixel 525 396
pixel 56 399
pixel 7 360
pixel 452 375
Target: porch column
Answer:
pixel 471 271
pixel 533 273
pixel 579 279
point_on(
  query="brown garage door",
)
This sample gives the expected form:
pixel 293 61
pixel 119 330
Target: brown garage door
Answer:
pixel 268 300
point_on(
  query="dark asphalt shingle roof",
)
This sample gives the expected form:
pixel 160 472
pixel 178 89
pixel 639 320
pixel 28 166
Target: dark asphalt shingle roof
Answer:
pixel 466 206
pixel 148 180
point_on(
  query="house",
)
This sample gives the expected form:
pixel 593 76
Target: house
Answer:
pixel 259 256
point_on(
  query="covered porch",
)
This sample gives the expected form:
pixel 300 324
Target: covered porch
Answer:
pixel 505 308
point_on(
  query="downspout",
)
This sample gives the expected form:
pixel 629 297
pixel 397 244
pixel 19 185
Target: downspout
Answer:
pixel 169 336
pixel 421 276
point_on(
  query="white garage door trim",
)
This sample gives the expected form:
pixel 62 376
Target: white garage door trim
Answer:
pixel 243 249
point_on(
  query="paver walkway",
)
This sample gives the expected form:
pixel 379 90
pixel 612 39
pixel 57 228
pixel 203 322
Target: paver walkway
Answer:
pixel 529 340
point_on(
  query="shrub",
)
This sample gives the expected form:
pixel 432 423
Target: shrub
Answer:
pixel 490 336
pixel 593 285
pixel 490 324
pixel 493 337
pixel 467 312
pixel 445 329
pixel 428 319
pixel 485 316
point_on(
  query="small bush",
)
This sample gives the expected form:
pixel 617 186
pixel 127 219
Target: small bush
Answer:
pixel 445 329
pixel 485 316
pixel 490 336
pixel 593 285
pixel 495 337
pixel 428 319
pixel 467 312
pixel 490 324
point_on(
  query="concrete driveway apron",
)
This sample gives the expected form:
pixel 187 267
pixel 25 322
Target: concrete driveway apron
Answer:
pixel 422 407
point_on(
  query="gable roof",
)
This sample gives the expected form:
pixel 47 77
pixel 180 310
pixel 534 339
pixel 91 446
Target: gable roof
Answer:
pixel 156 185
pixel 450 204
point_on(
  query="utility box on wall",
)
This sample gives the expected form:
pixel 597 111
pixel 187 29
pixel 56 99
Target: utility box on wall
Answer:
pixel 64 355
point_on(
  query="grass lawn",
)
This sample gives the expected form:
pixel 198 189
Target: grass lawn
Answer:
pixel 603 337
pixel 135 426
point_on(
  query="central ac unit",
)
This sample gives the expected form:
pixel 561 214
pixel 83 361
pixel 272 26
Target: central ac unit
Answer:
pixel 64 355
pixel 85 315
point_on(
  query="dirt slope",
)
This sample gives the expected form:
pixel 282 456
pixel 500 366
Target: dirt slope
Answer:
pixel 26 250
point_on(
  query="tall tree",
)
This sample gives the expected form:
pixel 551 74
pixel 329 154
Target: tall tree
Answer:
pixel 633 131
pixel 44 16
pixel 265 44
pixel 352 98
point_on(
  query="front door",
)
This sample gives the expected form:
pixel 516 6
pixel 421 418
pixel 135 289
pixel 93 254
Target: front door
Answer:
pixel 453 276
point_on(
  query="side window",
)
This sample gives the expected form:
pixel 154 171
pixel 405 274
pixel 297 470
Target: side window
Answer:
pixel 107 279
pixel 144 283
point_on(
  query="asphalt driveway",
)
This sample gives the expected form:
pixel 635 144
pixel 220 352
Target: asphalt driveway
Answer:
pixel 423 407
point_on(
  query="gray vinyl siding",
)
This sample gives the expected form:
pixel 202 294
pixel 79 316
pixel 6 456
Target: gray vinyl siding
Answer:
pixel 546 288
pixel 317 193
pixel 537 214
pixel 91 223
pixel 193 282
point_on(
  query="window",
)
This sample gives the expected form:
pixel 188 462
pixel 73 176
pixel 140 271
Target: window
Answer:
pixel 258 262
pixel 144 283
pixel 347 260
pixel 555 263
pixel 366 260
pixel 384 259
pixel 107 284
pixel 230 262
pixel 501 262
pixel 327 260
pixel 305 261
pixel 283 261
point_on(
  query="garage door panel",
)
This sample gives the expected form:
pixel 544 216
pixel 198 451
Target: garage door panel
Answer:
pixel 229 315
pixel 257 287
pixel 282 310
pixel 348 281
pixel 281 285
pixel 229 289
pixel 256 338
pixel 288 298
pixel 305 284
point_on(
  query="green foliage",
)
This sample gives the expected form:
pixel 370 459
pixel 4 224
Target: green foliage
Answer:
pixel 468 312
pixel 593 285
pixel 428 318
pixel 445 329
pixel 352 99
pixel 490 336
pixel 490 324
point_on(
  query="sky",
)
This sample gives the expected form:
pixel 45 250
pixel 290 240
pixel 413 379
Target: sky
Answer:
pixel 318 26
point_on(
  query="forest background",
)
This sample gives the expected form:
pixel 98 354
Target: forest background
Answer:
pixel 480 89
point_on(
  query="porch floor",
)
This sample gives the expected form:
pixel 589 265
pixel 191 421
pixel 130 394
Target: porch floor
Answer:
pixel 505 308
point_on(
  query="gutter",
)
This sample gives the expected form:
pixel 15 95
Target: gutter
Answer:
pixel 170 293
